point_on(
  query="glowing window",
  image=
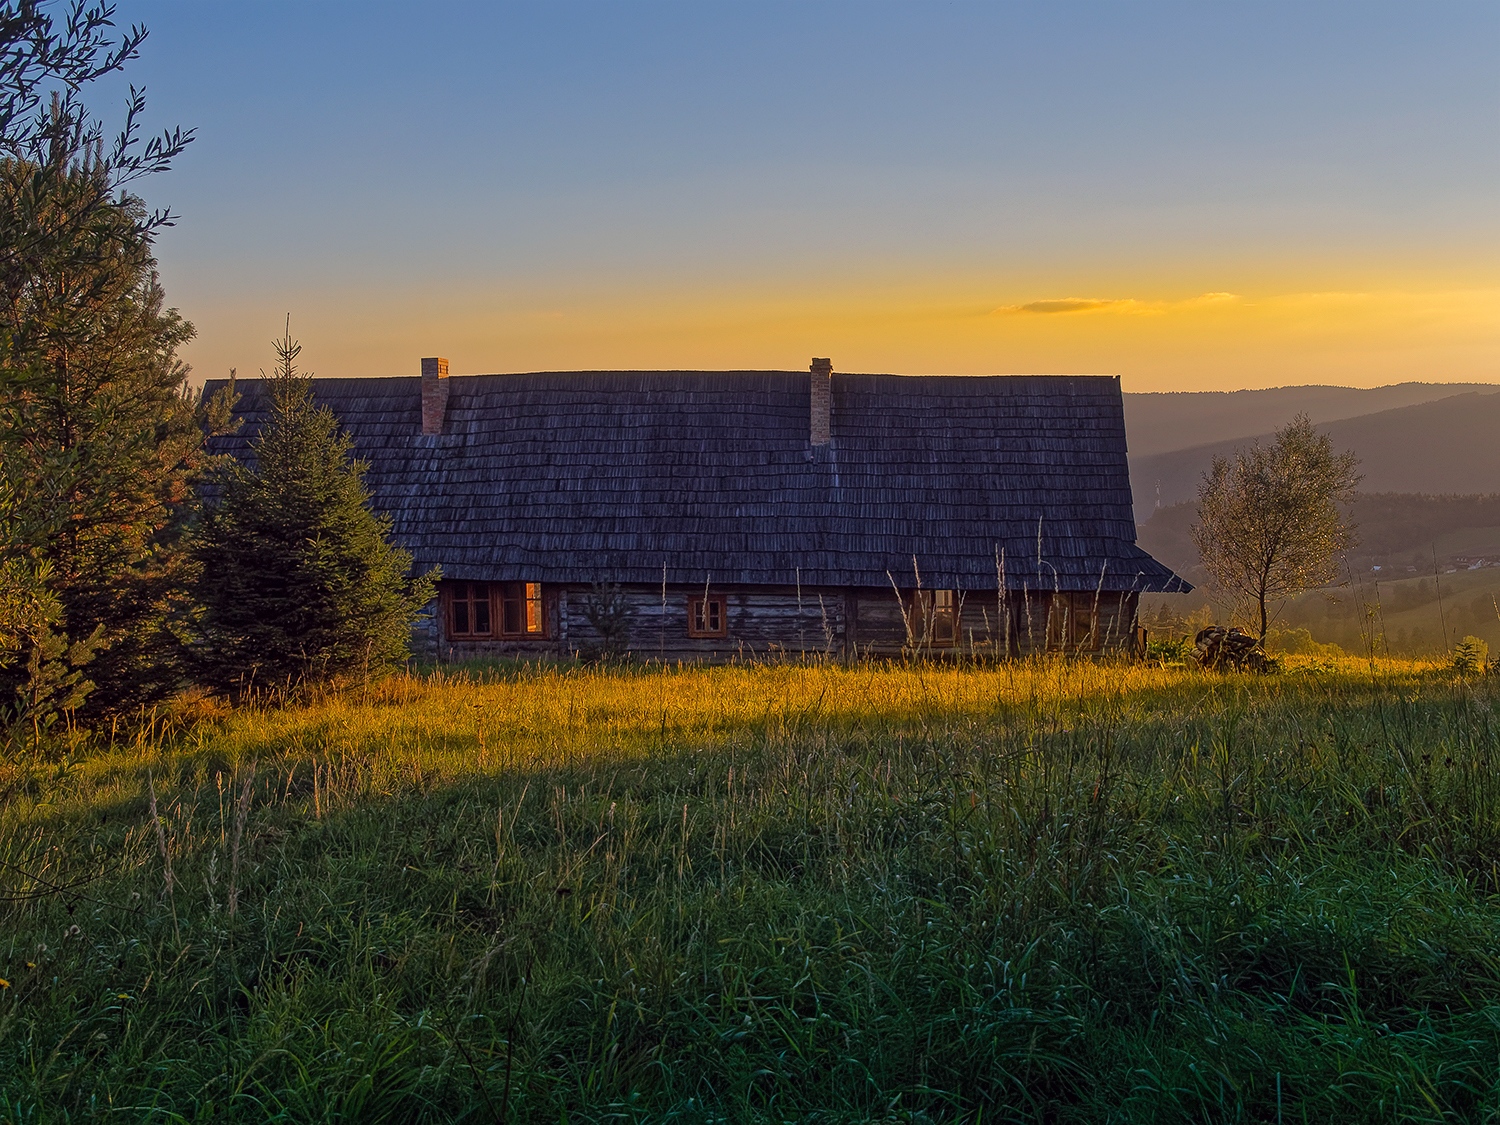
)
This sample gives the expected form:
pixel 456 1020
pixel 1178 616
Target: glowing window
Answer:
pixel 523 613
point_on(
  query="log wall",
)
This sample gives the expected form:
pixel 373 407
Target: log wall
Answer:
pixel 827 624
pixel 758 624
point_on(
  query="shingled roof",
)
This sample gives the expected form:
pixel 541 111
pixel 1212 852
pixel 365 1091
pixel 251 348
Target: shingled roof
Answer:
pixel 614 475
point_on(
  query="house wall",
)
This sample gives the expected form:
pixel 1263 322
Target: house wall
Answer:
pixel 757 624
pixel 994 625
pixel 1081 622
pixel 831 624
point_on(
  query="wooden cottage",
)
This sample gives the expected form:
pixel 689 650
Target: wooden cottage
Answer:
pixel 720 514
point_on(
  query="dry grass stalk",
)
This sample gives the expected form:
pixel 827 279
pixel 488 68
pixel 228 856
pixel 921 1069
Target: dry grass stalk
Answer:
pixel 161 833
pixel 241 815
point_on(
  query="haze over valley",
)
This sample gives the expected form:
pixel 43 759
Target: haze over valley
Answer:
pixel 1428 513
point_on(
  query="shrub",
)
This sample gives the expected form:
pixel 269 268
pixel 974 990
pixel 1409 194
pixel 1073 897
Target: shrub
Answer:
pixel 1470 656
pixel 1169 652
pixel 1299 642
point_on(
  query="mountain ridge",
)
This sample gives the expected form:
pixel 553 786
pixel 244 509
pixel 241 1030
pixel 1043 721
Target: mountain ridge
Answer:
pixel 1163 421
pixel 1442 446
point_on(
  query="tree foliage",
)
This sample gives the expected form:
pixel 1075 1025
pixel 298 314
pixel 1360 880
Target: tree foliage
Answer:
pixel 46 673
pixel 1269 523
pixel 99 443
pixel 49 53
pixel 299 582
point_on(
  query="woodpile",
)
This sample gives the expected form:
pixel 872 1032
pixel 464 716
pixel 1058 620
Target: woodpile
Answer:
pixel 1219 649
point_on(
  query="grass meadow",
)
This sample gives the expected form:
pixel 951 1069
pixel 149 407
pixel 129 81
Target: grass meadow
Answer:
pixel 1046 892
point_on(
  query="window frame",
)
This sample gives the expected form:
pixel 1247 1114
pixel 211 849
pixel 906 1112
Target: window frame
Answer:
pixel 701 607
pixel 528 600
pixel 469 600
pixel 1068 610
pixel 928 609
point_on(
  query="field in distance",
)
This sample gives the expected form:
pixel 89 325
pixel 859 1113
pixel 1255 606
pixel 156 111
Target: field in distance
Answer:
pixel 1425 574
pixel 1058 891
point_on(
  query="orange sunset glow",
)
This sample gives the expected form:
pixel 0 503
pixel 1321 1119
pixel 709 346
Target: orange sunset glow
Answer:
pixel 1192 197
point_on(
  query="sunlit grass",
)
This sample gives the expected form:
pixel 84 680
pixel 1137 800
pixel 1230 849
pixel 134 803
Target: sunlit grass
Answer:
pixel 509 716
pixel 1046 891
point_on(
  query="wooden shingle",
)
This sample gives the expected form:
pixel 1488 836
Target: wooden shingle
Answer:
pixel 608 476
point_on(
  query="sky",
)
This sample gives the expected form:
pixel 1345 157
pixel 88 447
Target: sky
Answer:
pixel 1193 196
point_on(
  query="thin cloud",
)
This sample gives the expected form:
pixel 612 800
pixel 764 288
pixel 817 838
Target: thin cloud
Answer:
pixel 1058 305
pixel 1067 305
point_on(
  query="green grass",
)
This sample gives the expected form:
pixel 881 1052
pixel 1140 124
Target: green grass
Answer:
pixel 1049 892
pixel 1402 612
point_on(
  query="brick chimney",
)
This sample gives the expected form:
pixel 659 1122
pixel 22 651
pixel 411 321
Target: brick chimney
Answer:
pixel 434 395
pixel 822 401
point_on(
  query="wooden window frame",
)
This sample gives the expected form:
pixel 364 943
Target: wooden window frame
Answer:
pixel 512 610
pixel 463 600
pixel 935 606
pixel 524 611
pixel 701 612
pixel 1063 632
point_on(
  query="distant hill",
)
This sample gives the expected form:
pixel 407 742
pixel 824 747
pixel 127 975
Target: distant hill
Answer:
pixel 1451 445
pixel 1160 423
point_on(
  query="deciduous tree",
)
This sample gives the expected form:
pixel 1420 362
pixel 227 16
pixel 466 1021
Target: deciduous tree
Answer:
pixel 1269 523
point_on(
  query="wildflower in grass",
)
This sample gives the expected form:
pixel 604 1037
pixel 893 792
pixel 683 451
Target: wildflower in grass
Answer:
pixel 4 983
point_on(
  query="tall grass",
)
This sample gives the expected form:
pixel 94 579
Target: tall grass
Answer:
pixel 1034 892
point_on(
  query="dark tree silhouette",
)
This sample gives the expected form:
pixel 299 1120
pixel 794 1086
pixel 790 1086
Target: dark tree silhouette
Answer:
pixel 98 441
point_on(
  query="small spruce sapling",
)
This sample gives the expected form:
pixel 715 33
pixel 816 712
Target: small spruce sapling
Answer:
pixel 299 581
pixel 1471 656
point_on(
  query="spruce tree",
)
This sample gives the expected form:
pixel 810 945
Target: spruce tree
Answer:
pixel 99 442
pixel 99 445
pixel 299 582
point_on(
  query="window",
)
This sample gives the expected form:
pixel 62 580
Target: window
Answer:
pixel 472 606
pixel 934 618
pixel 706 617
pixel 522 612
pixel 469 609
pixel 1073 624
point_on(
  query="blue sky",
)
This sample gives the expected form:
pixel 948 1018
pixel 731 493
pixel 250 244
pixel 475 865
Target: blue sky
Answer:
pixel 1192 195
